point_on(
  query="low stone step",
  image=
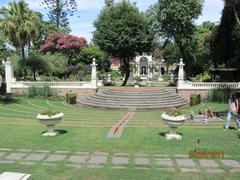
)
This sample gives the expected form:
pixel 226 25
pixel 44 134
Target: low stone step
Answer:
pixel 144 99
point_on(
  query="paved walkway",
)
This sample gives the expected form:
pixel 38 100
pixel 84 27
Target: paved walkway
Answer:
pixel 117 129
pixel 179 162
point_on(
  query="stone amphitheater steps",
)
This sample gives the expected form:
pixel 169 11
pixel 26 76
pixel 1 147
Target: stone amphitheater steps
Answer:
pixel 135 99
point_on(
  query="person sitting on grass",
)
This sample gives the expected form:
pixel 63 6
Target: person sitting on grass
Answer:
pixel 203 115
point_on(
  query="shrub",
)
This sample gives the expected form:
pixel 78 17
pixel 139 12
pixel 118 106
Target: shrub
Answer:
pixel 72 98
pixel 206 77
pixel 40 91
pixel 195 99
pixel 220 95
pixel 3 88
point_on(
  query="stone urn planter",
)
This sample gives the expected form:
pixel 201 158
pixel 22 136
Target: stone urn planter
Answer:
pixel 50 121
pixel 173 122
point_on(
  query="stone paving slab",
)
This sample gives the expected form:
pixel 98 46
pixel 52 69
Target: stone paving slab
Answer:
pixel 78 159
pixel 94 166
pixel 181 155
pixel 141 155
pixel 27 163
pixel 82 153
pixel 100 153
pixel 97 160
pixel 166 169
pixel 120 160
pixel 231 163
pixel 208 163
pixel 121 154
pixel 161 155
pixel 119 167
pixel 210 170
pixel 74 165
pixel 186 163
pixel 143 168
pixel 15 156
pixel 2 154
pixel 6 162
pixel 35 157
pixel 42 151
pixel 142 161
pixel 189 170
pixel 62 152
pixel 23 150
pixel 49 164
pixel 5 149
pixel 235 170
pixel 164 162
pixel 55 157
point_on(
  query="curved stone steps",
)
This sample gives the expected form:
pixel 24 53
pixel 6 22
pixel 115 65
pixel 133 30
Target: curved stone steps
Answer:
pixel 135 100
pixel 139 99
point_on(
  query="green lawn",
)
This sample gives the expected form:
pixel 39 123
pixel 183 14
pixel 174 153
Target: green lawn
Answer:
pixel 85 129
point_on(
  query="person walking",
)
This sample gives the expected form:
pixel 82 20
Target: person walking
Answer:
pixel 232 110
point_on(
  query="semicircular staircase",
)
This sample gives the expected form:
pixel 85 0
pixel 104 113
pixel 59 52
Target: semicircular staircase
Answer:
pixel 130 98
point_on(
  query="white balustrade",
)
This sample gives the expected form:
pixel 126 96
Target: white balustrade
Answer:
pixel 208 85
pixel 60 85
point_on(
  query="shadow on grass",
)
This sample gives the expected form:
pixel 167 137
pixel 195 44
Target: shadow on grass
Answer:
pixel 163 133
pixel 59 131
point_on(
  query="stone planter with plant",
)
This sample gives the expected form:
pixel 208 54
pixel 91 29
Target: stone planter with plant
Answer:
pixel 173 118
pixel 50 118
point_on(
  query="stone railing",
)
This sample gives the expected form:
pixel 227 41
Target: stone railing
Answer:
pixel 57 85
pixel 208 85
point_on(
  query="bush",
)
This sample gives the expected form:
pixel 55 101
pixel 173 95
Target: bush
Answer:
pixel 3 88
pixel 206 77
pixel 220 95
pixel 43 92
pixel 72 98
pixel 195 99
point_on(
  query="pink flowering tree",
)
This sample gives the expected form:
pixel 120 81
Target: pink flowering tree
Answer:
pixel 69 45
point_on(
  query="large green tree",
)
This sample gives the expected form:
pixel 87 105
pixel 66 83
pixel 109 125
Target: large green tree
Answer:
pixel 177 22
pixel 122 31
pixel 19 24
pixel 60 10
pixel 225 46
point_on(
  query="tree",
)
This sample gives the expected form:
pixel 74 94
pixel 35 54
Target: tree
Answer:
pixel 225 44
pixel 67 44
pixel 176 19
pixel 19 24
pixel 87 54
pixel 59 10
pixel 122 31
pixel 109 3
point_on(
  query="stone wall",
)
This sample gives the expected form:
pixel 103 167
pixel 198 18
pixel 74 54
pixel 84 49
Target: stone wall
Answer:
pixel 186 93
pixel 81 93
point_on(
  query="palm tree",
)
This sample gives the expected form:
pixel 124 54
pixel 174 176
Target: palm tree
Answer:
pixel 19 24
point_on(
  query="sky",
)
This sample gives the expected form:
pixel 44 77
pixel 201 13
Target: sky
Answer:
pixel 88 11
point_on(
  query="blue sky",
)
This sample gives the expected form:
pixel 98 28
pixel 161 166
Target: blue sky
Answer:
pixel 89 10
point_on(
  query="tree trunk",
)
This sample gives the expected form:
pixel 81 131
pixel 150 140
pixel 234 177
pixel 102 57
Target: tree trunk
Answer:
pixel 58 13
pixel 236 16
pixel 34 75
pixel 24 59
pixel 126 71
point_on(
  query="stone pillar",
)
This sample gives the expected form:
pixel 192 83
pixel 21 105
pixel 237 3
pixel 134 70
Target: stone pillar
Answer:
pixel 109 80
pixel 181 73
pixel 9 77
pixel 94 73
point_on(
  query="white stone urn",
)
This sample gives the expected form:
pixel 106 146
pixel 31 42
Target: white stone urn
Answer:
pixel 50 122
pixel 173 122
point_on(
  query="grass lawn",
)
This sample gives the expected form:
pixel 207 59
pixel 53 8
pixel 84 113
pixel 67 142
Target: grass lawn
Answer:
pixel 85 129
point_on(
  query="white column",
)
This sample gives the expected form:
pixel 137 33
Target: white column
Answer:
pixel 9 77
pixel 94 73
pixel 181 73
